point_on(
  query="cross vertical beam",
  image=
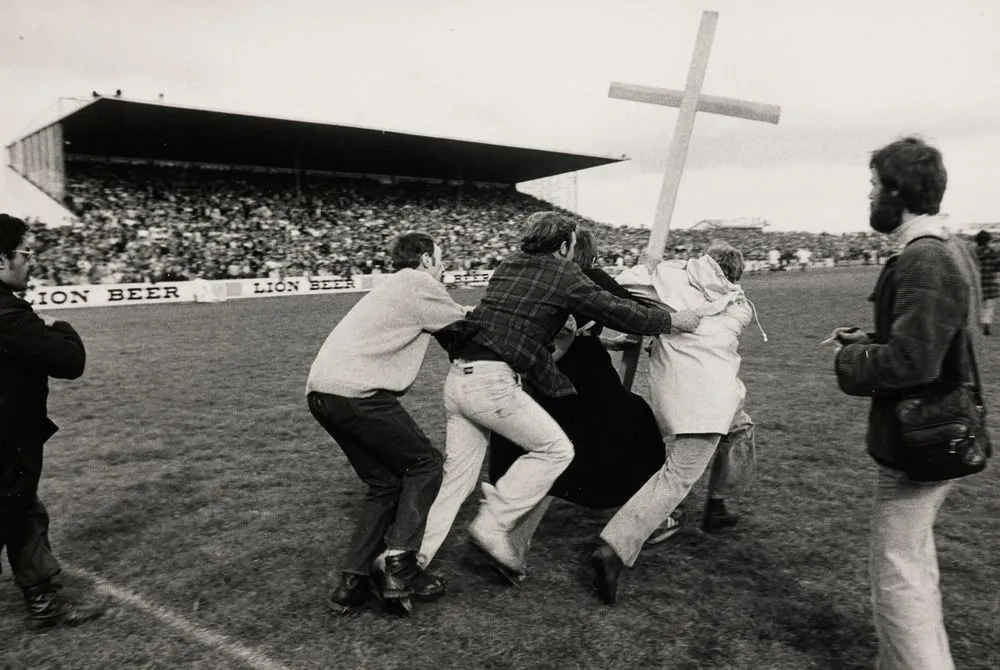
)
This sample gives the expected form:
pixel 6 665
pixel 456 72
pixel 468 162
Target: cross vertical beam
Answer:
pixel 682 135
pixel 690 101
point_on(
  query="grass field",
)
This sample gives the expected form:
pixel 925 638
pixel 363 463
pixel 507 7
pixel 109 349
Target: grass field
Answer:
pixel 189 471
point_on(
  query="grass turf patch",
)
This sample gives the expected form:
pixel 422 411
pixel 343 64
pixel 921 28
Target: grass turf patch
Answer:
pixel 188 469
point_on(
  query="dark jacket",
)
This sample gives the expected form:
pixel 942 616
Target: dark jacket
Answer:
pixel 616 439
pixel 30 353
pixel 922 299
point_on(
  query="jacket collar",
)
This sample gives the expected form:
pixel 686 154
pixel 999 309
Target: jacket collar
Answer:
pixel 922 226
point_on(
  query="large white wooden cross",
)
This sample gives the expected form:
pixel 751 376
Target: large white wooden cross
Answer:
pixel 690 100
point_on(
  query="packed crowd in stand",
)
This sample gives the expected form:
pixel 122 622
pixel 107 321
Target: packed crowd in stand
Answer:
pixel 146 223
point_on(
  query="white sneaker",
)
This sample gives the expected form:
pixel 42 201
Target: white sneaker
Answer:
pixel 669 528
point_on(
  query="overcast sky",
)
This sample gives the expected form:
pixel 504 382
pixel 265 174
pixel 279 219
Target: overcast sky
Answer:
pixel 849 75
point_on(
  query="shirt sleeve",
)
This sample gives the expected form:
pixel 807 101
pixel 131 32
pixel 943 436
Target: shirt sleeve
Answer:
pixel 57 350
pixel 435 309
pixel 929 309
pixel 591 301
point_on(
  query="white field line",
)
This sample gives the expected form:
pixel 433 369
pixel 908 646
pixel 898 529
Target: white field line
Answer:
pixel 216 641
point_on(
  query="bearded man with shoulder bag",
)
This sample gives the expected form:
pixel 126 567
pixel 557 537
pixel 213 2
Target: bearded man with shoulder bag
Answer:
pixel 927 423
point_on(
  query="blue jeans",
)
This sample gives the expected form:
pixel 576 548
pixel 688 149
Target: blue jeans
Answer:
pixel 395 459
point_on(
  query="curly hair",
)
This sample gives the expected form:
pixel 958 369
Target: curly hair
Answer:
pixel 729 258
pixel 546 231
pixel 912 171
pixel 12 232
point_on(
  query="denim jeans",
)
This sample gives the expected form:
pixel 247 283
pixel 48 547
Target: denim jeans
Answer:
pixel 903 568
pixel 397 462
pixel 636 520
pixel 25 533
pixel 480 397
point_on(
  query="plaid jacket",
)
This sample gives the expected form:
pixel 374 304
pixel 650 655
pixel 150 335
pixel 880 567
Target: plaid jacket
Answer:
pixel 922 300
pixel 989 270
pixel 528 300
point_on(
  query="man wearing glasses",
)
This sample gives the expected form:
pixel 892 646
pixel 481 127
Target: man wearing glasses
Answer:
pixel 32 349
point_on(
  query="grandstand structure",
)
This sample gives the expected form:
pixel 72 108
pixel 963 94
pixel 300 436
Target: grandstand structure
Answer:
pixel 752 224
pixel 116 129
pixel 162 193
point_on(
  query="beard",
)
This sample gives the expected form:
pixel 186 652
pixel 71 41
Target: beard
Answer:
pixel 886 213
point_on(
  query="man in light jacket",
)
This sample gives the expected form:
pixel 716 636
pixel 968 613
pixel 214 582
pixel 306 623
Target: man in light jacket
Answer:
pixel 696 395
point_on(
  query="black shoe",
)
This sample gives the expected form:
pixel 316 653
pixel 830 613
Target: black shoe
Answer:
pixel 46 607
pixel 353 592
pixel 607 571
pixel 426 586
pixel 508 574
pixel 404 578
pixel 717 517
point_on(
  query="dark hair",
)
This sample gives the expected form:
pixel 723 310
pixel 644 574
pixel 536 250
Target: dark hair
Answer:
pixel 12 232
pixel 983 238
pixel 546 231
pixel 912 171
pixel 407 249
pixel 586 249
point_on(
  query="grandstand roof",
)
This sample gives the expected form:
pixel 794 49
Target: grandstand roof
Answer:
pixel 115 127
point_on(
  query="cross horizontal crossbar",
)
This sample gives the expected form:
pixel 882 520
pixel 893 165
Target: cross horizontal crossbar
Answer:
pixel 743 109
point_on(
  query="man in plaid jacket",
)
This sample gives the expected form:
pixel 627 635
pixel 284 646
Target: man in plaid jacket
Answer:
pixel 989 273
pixel 506 340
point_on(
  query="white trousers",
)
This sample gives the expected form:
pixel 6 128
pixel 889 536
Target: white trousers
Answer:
pixel 903 569
pixel 485 396
pixel 636 520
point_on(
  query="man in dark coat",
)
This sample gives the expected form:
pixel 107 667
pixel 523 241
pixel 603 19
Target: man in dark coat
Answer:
pixel 926 308
pixel 32 349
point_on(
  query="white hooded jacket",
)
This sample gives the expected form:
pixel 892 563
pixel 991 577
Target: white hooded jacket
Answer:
pixel 694 379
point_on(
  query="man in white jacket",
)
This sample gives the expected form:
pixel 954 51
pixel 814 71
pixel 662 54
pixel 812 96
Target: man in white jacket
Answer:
pixel 696 395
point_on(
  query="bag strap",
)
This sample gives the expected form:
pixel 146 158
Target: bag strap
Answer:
pixel 977 383
pixel 967 267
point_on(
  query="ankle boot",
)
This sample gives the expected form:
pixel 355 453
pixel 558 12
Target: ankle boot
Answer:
pixel 351 592
pixel 404 578
pixel 46 607
pixel 717 517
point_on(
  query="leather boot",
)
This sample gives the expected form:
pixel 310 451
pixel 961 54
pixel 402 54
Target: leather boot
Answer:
pixel 717 517
pixel 404 578
pixel 350 593
pixel 608 569
pixel 46 607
